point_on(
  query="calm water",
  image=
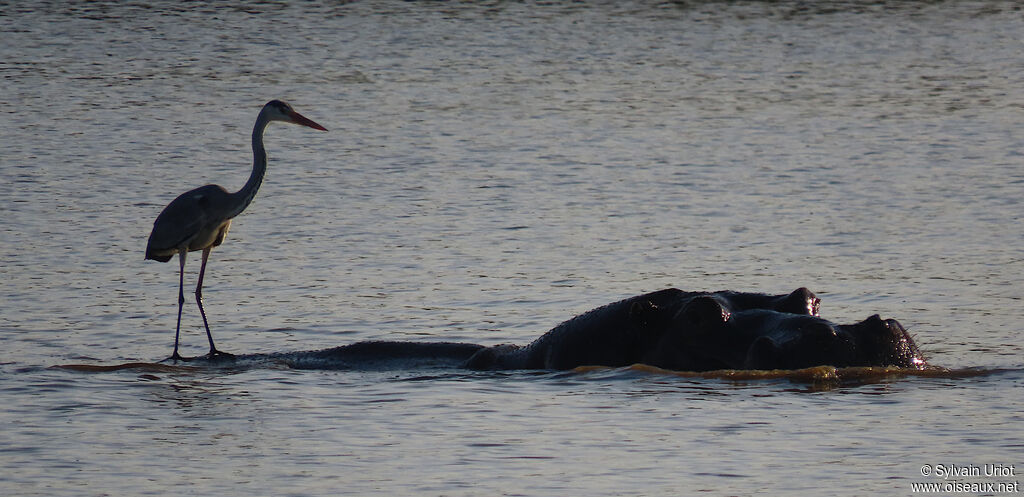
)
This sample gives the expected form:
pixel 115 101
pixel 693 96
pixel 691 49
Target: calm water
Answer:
pixel 491 170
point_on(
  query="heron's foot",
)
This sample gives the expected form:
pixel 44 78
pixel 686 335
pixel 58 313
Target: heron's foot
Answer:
pixel 216 355
pixel 175 357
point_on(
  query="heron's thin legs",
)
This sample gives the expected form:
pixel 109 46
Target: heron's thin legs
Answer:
pixel 199 300
pixel 181 301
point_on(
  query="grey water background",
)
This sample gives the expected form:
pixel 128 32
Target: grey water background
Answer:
pixel 492 169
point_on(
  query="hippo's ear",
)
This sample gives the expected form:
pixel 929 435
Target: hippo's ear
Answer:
pixel 801 301
pixel 704 310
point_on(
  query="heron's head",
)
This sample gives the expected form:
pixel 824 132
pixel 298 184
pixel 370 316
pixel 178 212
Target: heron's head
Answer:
pixel 277 110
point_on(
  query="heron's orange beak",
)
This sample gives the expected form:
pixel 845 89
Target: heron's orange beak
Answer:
pixel 303 120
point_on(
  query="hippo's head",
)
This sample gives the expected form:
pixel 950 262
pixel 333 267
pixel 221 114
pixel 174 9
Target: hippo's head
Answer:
pixel 708 331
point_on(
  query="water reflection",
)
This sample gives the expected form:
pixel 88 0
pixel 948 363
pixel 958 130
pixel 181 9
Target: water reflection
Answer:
pixel 821 378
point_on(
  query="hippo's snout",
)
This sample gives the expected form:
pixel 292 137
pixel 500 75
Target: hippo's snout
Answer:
pixel 906 349
pixel 887 342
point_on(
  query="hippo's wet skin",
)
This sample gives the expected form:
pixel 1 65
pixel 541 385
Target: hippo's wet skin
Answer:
pixel 634 330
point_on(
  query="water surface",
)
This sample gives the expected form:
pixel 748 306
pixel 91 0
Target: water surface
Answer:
pixel 491 170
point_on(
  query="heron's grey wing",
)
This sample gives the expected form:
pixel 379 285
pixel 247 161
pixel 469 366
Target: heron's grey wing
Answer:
pixel 184 218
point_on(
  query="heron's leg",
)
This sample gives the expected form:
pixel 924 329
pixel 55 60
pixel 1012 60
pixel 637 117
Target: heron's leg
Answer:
pixel 181 301
pixel 199 300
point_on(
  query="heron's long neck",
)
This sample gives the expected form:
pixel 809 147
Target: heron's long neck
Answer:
pixel 242 198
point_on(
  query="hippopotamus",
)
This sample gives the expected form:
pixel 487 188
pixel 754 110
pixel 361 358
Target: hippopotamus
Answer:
pixel 724 338
pixel 642 329
pixel 670 329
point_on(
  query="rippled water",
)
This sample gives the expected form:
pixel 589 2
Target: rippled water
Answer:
pixel 491 170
